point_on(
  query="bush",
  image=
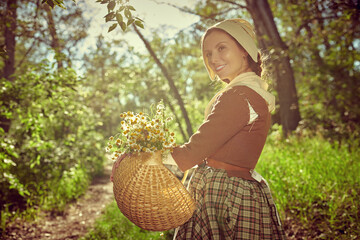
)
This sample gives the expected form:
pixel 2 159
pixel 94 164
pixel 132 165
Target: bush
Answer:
pixel 52 148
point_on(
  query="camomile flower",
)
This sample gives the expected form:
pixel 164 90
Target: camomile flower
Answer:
pixel 141 132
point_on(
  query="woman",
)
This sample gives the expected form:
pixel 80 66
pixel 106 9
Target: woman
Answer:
pixel 233 201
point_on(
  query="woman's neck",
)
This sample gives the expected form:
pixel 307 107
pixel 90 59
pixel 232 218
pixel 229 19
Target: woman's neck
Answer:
pixel 245 71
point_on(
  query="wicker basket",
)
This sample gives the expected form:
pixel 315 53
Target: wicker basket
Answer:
pixel 150 195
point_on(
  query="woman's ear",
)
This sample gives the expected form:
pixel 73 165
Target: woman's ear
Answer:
pixel 245 53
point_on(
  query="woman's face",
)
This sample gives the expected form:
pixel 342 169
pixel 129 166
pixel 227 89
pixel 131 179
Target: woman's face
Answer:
pixel 225 57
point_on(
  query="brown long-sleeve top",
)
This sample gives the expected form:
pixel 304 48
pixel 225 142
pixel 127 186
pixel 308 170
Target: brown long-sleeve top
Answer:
pixel 226 135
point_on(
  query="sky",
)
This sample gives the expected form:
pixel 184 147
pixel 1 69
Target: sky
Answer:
pixel 153 14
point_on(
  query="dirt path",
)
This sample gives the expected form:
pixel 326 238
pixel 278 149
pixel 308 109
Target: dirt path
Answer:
pixel 75 221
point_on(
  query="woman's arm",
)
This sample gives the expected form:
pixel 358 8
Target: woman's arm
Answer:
pixel 228 116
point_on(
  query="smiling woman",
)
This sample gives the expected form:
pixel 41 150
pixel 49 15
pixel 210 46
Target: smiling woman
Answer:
pixel 233 200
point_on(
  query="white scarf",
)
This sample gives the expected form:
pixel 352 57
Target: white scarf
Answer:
pixel 251 80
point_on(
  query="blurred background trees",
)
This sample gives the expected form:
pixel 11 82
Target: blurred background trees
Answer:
pixel 323 39
pixel 48 135
pixel 55 120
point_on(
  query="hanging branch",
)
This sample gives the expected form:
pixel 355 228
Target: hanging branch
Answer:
pixel 170 81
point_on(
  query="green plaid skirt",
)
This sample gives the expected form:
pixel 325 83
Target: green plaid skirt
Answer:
pixel 230 208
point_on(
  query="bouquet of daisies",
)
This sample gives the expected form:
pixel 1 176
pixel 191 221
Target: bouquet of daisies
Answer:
pixel 142 132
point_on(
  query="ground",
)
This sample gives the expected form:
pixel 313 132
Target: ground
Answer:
pixel 74 222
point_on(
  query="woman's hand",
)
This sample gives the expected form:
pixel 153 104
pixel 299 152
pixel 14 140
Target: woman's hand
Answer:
pixel 116 164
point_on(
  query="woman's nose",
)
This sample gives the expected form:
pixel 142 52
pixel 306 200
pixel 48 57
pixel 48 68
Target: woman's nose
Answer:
pixel 214 58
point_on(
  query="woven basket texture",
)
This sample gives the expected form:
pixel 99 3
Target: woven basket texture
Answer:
pixel 150 195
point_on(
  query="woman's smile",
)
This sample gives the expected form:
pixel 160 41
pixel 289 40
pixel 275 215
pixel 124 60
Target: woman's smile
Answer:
pixel 219 68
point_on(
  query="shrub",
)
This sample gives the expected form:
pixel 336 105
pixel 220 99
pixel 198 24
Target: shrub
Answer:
pixel 52 148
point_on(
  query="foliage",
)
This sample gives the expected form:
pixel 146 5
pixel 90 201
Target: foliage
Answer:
pixel 141 132
pixel 72 185
pixel 315 183
pixel 116 83
pixel 53 3
pixel 322 37
pixel 34 40
pixel 113 225
pixel 117 16
pixel 52 147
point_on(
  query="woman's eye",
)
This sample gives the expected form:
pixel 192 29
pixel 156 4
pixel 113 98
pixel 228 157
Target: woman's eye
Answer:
pixel 221 48
pixel 208 55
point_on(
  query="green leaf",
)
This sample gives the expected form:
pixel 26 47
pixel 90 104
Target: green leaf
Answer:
pixel 131 8
pixel 121 8
pixel 112 27
pixel 108 17
pixel 130 21
pixel 123 26
pixel 111 5
pixel 139 24
pixel 127 13
pixel 60 3
pixel 119 18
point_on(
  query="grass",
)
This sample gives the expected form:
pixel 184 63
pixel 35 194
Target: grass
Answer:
pixel 71 186
pixel 315 184
pixel 114 225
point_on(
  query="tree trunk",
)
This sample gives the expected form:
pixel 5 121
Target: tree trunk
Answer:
pixel 170 81
pixel 269 38
pixel 9 64
pixel 55 43
pixel 10 28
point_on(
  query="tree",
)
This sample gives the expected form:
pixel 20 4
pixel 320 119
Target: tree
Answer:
pixel 41 28
pixel 55 42
pixel 322 37
pixel 10 28
pixel 25 39
pixel 10 18
pixel 269 39
pixel 116 83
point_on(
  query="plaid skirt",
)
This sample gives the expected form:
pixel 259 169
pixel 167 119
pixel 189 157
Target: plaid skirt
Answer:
pixel 230 208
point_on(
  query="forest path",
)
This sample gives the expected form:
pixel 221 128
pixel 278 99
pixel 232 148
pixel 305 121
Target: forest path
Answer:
pixel 75 222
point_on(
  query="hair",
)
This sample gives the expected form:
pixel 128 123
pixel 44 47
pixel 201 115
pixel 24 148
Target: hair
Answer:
pixel 257 67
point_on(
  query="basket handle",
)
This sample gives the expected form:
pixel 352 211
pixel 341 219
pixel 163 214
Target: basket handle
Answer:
pixel 184 177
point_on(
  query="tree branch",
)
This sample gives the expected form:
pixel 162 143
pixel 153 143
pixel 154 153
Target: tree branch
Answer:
pixel 187 10
pixel 234 3
pixel 306 22
pixel 169 79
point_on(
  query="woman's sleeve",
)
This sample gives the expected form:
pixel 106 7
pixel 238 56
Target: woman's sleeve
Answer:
pixel 228 116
